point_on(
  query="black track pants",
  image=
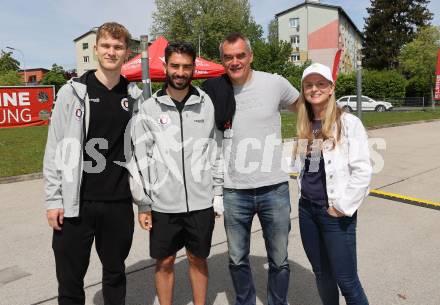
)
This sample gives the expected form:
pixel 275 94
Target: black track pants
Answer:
pixel 111 224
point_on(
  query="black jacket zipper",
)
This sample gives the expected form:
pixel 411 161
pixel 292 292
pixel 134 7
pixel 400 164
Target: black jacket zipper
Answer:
pixel 183 160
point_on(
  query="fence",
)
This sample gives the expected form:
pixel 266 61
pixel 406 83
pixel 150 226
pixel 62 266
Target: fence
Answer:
pixel 408 102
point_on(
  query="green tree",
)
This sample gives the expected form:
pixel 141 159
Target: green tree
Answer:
pixel 209 20
pixel 272 31
pixel 294 73
pixel 418 59
pixel 10 78
pixel 54 77
pixel 8 63
pixel 272 57
pixel 390 25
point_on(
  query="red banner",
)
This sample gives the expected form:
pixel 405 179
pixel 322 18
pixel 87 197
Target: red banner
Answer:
pixel 25 106
pixel 336 65
pixel 437 78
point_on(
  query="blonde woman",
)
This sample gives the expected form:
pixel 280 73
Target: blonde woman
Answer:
pixel 332 153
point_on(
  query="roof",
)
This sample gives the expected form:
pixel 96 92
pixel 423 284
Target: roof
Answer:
pixel 340 9
pixel 34 69
pixel 92 31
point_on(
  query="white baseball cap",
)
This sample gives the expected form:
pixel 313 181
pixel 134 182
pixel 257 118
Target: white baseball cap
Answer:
pixel 320 69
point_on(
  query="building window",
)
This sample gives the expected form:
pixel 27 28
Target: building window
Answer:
pixel 294 57
pixel 86 58
pixel 85 46
pixel 294 22
pixel 294 40
pixel 32 79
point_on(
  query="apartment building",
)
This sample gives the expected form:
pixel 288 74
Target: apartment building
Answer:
pixel 316 32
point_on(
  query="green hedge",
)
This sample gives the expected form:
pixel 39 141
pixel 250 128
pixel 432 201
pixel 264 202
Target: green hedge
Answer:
pixel 375 84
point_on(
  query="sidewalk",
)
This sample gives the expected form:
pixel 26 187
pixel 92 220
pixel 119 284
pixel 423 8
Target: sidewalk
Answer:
pixel 397 243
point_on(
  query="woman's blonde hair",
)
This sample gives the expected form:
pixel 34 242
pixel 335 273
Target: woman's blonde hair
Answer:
pixel 332 117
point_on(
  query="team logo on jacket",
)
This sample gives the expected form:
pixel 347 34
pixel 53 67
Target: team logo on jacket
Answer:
pixel 164 119
pixel 124 103
pixel 78 114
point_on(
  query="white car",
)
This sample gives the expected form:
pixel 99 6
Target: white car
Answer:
pixel 349 103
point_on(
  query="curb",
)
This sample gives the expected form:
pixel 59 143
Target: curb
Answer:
pixel 406 199
pixel 401 124
pixel 385 126
pixel 12 179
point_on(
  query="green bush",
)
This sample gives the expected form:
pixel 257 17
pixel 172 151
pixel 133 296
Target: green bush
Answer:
pixel 384 84
pixel 417 86
pixel 346 85
pixel 376 84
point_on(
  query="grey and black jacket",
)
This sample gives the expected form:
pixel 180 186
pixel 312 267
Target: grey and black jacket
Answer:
pixel 63 158
pixel 178 155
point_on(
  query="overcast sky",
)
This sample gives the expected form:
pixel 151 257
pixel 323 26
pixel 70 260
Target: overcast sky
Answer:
pixel 44 30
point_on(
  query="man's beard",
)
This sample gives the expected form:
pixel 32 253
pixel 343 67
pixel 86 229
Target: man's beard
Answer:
pixel 181 86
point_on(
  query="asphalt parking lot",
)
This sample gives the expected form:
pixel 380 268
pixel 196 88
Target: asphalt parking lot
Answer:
pixel 398 243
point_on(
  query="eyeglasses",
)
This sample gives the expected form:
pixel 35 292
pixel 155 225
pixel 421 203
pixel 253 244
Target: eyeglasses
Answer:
pixel 321 85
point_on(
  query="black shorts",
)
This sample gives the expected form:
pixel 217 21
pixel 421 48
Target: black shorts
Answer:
pixel 171 232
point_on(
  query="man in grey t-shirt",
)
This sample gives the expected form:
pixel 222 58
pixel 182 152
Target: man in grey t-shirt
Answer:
pixel 254 180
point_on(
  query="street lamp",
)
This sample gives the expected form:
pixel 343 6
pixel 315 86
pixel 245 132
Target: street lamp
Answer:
pixel 24 62
pixel 199 14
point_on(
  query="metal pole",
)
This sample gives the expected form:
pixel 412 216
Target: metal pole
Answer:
pixel 199 45
pixel 199 15
pixel 359 84
pixel 146 90
pixel 24 62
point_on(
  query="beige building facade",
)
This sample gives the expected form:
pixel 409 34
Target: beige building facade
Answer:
pixel 317 31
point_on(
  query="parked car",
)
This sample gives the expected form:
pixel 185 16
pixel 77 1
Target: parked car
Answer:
pixel 349 103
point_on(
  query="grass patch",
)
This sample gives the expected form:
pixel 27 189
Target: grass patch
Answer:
pixel 22 149
pixel 288 125
pixel 370 119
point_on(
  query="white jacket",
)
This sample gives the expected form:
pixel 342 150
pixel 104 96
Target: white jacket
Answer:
pixel 347 166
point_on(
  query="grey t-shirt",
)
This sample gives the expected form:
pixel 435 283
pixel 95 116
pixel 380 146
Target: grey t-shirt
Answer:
pixel 253 153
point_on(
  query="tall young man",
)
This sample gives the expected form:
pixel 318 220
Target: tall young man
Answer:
pixel 87 185
pixel 178 150
pixel 247 109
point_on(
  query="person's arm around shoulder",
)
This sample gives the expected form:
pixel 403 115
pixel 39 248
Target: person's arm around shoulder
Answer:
pixel 288 94
pixel 218 173
pixel 217 163
pixel 51 174
pixel 359 164
pixel 140 135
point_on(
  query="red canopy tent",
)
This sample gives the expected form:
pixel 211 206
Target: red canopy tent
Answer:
pixel 156 52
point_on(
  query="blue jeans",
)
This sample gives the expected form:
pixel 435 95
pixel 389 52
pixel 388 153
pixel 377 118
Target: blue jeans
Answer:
pixel 272 205
pixel 330 245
